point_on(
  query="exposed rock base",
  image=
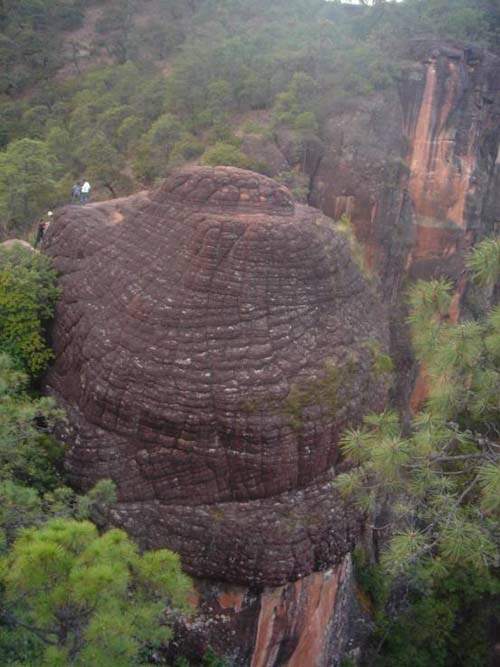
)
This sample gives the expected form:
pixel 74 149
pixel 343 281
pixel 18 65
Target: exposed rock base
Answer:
pixel 313 622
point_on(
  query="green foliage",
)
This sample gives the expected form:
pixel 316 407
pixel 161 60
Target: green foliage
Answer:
pixel 104 165
pixel 344 226
pixel 116 25
pixel 30 39
pixel 211 659
pixel 489 481
pixel 95 504
pixel 27 455
pixel 31 484
pixel 60 145
pixel 28 295
pixel 20 507
pixel 436 485
pixel 27 182
pixel 363 69
pixel 296 182
pixel 126 124
pixel 186 148
pixel 382 363
pixel 484 262
pixel 470 20
pixel 227 155
pixel 128 133
pixel 85 598
pixel 295 105
pixel 154 150
pixel 68 595
pixel 446 626
pixel 461 360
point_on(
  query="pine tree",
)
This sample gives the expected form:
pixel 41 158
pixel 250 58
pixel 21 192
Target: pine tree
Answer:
pixel 79 598
pixel 434 487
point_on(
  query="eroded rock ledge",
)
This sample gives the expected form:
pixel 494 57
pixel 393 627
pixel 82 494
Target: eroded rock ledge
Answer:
pixel 212 341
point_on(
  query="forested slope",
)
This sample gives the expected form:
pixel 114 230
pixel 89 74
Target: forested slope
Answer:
pixel 123 91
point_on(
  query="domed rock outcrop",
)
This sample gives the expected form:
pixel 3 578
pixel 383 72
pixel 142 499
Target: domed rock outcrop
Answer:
pixel 212 341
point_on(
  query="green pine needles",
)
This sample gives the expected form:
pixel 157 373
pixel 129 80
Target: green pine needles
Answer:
pixel 433 486
pixel 88 599
pixel 484 262
pixel 69 595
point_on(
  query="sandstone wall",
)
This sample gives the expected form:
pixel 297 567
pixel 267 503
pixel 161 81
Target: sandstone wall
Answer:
pixel 416 169
pixel 313 622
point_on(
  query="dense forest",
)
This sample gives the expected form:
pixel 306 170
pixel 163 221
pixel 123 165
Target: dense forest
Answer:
pixel 121 93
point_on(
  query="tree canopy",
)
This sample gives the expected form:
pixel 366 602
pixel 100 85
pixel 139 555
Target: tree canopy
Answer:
pixel 89 599
pixel 89 90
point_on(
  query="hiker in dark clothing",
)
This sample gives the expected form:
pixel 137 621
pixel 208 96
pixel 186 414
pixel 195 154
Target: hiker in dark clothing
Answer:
pixel 43 225
pixel 75 193
pixel 40 232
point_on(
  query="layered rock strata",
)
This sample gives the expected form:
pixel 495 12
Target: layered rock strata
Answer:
pixel 212 341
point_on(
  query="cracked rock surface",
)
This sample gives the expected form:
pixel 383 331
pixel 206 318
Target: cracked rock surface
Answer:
pixel 212 341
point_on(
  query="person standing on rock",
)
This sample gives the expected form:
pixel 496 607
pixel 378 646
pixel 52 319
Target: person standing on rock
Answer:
pixel 85 192
pixel 43 225
pixel 76 191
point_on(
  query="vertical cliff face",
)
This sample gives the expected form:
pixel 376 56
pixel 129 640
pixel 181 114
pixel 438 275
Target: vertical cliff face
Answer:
pixel 451 122
pixel 416 170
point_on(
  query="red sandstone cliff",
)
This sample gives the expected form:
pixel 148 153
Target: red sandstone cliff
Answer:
pixel 416 169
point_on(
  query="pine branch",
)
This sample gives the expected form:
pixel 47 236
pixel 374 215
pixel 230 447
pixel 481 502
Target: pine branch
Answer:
pixel 468 489
pixel 41 634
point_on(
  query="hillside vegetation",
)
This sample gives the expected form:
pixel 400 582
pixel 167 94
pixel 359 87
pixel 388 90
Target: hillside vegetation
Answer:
pixel 122 91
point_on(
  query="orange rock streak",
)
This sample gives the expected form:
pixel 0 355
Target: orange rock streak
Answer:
pixel 439 179
pixel 304 610
pixel 439 184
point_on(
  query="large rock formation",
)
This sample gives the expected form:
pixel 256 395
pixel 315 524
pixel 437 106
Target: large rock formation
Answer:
pixel 212 341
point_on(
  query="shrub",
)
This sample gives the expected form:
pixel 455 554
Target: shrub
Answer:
pixel 27 181
pixel 28 295
pixel 27 454
pixel 227 155
pixel 186 149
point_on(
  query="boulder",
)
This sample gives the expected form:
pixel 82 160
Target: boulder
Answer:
pixel 12 243
pixel 213 340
